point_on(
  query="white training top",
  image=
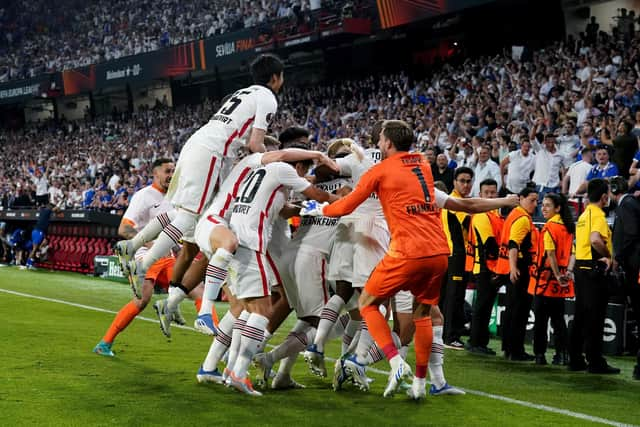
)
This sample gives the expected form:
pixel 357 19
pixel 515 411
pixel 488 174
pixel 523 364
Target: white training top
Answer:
pixel 252 106
pixel 146 204
pixel 222 203
pixel 262 195
pixel 352 166
pixel 318 232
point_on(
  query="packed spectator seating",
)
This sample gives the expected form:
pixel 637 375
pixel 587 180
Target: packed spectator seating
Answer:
pixel 575 94
pixel 41 36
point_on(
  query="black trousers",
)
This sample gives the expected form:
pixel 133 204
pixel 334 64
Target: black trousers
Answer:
pixel 546 308
pixel 453 299
pixel 516 314
pixel 631 266
pixel 486 292
pixel 588 322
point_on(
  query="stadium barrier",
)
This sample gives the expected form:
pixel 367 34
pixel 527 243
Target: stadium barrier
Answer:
pixel 618 326
pixel 74 237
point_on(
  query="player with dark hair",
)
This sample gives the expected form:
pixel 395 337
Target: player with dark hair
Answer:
pixel 456 229
pixel 551 277
pixel 203 161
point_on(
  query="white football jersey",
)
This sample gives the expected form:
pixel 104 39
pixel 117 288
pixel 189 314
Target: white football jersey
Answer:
pixel 254 106
pixel 319 231
pixel 262 195
pixel 355 168
pixel 222 203
pixel 146 204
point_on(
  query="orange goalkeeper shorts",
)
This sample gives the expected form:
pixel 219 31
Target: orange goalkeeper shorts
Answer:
pixel 421 276
pixel 160 272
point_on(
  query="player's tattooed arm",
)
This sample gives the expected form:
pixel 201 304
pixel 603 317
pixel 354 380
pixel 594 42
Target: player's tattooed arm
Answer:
pixel 126 230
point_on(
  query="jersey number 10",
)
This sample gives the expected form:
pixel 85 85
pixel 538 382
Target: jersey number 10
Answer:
pixel 251 185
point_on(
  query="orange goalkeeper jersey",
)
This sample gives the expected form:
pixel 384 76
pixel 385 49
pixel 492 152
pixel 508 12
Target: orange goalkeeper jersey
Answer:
pixel 404 185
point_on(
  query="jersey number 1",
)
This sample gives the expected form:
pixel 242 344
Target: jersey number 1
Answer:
pixel 418 172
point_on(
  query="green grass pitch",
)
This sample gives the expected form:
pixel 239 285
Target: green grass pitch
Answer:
pixel 49 376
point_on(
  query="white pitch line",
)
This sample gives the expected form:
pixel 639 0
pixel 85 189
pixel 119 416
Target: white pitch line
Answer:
pixel 524 403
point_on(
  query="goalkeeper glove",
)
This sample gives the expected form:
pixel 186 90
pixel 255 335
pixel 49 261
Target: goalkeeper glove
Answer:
pixel 312 208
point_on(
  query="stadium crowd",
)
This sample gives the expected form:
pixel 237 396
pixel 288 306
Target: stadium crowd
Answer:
pixel 41 37
pixel 569 97
pixel 558 122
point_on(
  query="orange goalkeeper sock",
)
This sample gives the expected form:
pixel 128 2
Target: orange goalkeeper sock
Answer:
pixel 122 320
pixel 379 330
pixel 423 340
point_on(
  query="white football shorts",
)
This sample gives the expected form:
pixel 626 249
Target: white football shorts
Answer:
pixel 249 274
pixel 195 178
pixel 303 271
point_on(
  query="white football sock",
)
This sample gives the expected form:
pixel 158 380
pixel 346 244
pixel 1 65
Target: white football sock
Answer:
pixel 364 343
pixel 216 273
pixel 236 337
pixel 150 231
pixel 252 336
pixel 286 365
pixel 403 350
pixel 220 343
pixel 339 327
pixel 295 342
pixel 263 344
pixel 176 296
pixel 206 306
pixel 328 318
pixel 436 360
pixel 183 223
pixel 349 333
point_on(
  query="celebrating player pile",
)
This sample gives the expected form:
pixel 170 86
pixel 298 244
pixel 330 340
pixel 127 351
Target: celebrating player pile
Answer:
pixel 387 244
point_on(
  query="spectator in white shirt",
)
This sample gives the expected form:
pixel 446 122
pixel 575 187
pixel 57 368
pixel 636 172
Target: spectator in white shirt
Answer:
pixel 42 188
pixel 548 168
pixel 568 143
pixel 577 173
pixel 486 168
pixel 517 167
pixel 56 196
pixel 548 165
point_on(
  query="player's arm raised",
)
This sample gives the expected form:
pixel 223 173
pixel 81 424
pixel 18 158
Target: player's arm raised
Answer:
pixel 256 141
pixel 291 155
pixel 477 204
pixel 265 111
pixel 315 193
pixel 347 204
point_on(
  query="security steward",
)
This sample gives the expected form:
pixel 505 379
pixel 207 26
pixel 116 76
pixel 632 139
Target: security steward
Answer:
pixel 593 263
pixel 517 241
pixel 456 229
pixel 481 261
